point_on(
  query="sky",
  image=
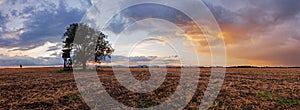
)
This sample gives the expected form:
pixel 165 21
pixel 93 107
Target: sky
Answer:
pixel 255 32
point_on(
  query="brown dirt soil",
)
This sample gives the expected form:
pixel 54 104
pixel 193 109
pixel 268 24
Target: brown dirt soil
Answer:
pixel 243 88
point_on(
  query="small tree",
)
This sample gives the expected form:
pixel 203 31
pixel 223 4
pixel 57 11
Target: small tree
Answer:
pixel 86 43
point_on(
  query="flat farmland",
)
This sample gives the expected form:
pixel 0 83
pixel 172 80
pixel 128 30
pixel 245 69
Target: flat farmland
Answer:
pixel 243 88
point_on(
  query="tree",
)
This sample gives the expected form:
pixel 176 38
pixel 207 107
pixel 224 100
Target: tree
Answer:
pixel 87 44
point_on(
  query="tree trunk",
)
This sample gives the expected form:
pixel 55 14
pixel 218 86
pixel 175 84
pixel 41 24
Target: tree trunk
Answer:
pixel 84 66
pixel 65 66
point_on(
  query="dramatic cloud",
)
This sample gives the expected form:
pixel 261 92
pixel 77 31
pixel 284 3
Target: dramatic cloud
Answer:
pixel 3 19
pixel 29 27
pixel 144 11
pixel 39 22
pixel 260 32
pixel 256 32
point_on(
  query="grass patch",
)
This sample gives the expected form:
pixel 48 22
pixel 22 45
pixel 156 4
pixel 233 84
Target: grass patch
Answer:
pixel 68 99
pixel 266 95
pixel 63 71
pixel 280 102
pixel 143 103
pixel 75 70
pixel 50 101
pixel 218 103
pixel 73 97
pixel 82 71
pixel 287 102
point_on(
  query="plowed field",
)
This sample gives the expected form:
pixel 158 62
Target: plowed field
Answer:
pixel 243 88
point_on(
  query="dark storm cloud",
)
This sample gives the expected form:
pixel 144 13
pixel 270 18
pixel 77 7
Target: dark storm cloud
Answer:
pixel 3 19
pixel 49 26
pixel 278 10
pixel 43 26
pixel 28 24
pixel 13 2
pixel 28 9
pixel 284 9
pixel 144 11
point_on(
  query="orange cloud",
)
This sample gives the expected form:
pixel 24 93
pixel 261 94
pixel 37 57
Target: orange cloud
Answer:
pixel 251 43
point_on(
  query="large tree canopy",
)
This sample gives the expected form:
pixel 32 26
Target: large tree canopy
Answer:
pixel 88 44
